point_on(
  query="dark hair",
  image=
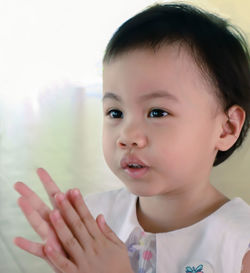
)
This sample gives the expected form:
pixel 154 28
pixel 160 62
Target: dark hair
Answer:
pixel 219 49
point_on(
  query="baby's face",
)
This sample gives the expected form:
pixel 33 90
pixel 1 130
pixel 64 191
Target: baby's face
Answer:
pixel 161 113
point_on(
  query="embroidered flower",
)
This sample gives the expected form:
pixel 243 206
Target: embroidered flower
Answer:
pixel 142 251
pixel 147 255
pixel 198 269
pixel 141 242
pixel 131 247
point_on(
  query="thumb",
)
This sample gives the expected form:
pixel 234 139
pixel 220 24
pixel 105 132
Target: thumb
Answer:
pixel 106 230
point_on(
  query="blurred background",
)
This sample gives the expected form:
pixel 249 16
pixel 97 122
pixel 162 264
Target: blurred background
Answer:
pixel 50 107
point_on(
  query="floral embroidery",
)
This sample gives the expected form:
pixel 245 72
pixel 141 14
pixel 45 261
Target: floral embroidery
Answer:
pixel 142 251
pixel 147 255
pixel 198 269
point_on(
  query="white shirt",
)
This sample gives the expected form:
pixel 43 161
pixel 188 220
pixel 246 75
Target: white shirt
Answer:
pixel 217 243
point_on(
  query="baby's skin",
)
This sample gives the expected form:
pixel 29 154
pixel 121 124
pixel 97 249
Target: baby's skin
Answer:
pixel 73 241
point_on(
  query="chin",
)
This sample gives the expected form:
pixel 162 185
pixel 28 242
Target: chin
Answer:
pixel 141 190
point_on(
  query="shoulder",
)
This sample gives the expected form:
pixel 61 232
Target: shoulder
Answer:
pixel 104 202
pixel 107 196
pixel 239 205
pixel 118 208
pixel 234 222
pixel 235 218
pixel 235 214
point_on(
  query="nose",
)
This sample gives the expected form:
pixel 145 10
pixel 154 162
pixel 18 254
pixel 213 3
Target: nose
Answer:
pixel 132 137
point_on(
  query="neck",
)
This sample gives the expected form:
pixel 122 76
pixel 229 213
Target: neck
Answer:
pixel 170 212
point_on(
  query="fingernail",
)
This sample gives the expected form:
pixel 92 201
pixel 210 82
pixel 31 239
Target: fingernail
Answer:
pixel 103 220
pixel 75 192
pixel 59 196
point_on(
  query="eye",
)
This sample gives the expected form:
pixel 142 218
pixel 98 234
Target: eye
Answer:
pixel 114 113
pixel 157 113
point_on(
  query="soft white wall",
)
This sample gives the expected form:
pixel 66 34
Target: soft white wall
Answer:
pixel 48 41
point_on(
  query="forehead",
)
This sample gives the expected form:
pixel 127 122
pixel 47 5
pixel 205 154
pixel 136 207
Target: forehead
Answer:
pixel 146 58
pixel 171 68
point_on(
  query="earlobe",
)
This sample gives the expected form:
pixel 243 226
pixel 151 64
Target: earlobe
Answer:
pixel 231 127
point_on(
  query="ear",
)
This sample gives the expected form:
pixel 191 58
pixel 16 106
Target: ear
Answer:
pixel 231 127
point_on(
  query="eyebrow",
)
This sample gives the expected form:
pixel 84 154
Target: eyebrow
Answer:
pixel 156 94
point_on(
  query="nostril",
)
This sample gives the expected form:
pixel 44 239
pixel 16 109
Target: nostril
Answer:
pixel 121 144
pixel 126 144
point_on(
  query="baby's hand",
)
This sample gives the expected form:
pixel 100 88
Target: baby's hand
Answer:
pixel 89 249
pixel 37 214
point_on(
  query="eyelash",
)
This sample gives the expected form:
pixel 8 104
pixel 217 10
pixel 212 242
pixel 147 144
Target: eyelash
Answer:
pixel 153 110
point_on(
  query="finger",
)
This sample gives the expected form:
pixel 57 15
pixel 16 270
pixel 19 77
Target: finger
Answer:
pixel 85 215
pixel 70 243
pixel 68 195
pixel 33 248
pixel 36 221
pixel 60 261
pixel 40 225
pixel 38 218
pixel 29 246
pixel 107 231
pixel 49 185
pixel 74 222
pixel 33 199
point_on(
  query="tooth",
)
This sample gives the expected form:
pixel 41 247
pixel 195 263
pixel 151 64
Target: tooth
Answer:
pixel 134 165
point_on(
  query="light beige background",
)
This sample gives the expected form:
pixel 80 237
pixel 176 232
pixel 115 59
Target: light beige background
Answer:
pixel 63 135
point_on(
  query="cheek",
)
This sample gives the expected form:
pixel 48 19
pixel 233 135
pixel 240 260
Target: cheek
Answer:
pixel 186 148
pixel 108 144
pixel 165 146
pixel 174 145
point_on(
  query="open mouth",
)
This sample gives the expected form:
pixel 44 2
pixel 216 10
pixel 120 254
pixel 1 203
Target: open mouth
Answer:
pixel 135 166
pixel 136 171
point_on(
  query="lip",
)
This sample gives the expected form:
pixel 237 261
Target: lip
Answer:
pixel 134 173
